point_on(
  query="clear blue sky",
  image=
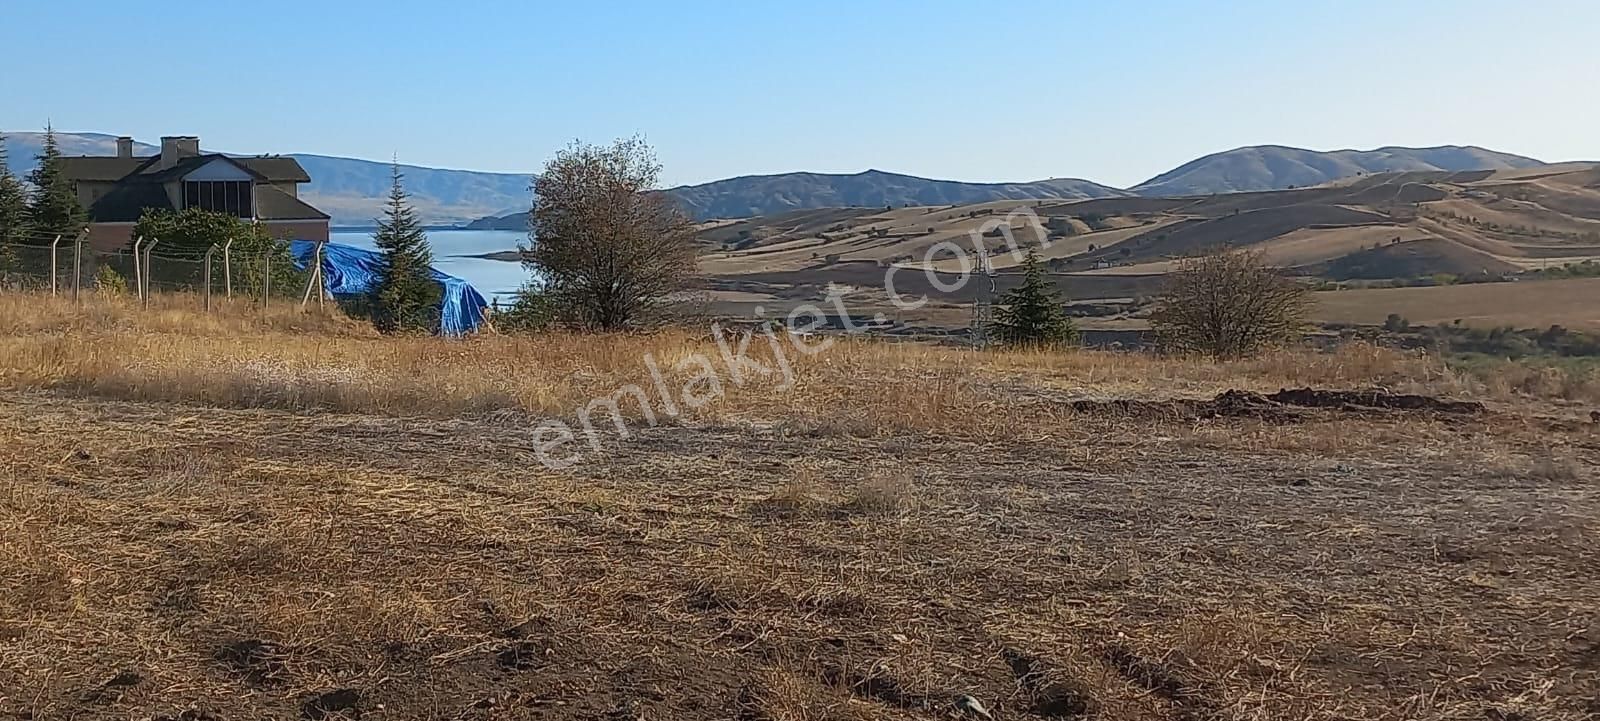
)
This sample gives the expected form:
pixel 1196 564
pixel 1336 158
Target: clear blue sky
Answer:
pixel 986 91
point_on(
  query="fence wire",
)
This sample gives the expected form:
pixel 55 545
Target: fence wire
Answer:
pixel 31 264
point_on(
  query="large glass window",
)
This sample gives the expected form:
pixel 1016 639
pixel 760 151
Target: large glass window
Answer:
pixel 223 196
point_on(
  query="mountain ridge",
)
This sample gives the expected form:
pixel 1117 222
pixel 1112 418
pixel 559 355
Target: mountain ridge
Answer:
pixel 1280 167
pixel 351 190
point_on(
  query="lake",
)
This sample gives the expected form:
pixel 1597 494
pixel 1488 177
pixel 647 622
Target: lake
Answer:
pixel 492 278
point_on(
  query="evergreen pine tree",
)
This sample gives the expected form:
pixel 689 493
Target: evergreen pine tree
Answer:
pixel 405 296
pixel 55 209
pixel 1030 314
pixel 13 213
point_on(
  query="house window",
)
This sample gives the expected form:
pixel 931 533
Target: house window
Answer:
pixel 223 196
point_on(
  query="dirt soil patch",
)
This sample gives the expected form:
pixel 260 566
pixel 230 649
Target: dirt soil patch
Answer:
pixel 1383 564
pixel 1282 407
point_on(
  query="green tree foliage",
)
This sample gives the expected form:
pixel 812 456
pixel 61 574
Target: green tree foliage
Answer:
pixel 13 213
pixel 531 310
pixel 608 250
pixel 54 208
pixel 405 297
pixel 182 239
pixel 1030 314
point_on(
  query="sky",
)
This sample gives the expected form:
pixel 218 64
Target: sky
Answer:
pixel 1115 92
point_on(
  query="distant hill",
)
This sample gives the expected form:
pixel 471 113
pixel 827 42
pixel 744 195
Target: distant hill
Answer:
pixel 348 189
pixel 1412 227
pixel 1275 167
pixel 352 190
pixel 758 195
pixel 754 195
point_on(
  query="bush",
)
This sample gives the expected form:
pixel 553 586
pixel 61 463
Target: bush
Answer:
pixel 1228 305
pixel 107 280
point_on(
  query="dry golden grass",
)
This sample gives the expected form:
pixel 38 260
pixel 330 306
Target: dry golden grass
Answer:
pixel 241 518
pixel 1529 304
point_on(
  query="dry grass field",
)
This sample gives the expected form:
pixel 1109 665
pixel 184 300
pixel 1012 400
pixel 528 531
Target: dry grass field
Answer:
pixel 1573 303
pixel 272 515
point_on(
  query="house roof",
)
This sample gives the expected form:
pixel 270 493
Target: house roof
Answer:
pixel 188 165
pixel 272 169
pixel 274 204
pixel 106 169
pixel 127 201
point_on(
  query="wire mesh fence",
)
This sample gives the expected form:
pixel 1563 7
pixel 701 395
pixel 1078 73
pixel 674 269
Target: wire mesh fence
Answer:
pixel 70 266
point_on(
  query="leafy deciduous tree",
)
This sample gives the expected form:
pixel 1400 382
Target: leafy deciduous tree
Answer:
pixel 1228 305
pixel 607 249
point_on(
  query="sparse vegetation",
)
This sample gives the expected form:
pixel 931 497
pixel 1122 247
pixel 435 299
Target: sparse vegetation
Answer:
pixel 213 548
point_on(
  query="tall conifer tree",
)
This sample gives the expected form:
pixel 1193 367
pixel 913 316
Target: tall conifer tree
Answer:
pixel 13 213
pixel 1031 314
pixel 54 209
pixel 405 298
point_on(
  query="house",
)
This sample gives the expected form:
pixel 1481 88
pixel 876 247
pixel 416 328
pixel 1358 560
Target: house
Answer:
pixel 116 190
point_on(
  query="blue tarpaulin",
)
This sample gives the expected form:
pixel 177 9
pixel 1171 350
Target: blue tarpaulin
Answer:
pixel 350 271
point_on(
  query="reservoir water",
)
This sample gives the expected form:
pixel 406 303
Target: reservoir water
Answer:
pixel 451 251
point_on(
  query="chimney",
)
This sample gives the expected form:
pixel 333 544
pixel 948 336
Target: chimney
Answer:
pixel 178 147
pixel 125 148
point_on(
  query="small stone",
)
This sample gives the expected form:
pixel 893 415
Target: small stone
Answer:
pixel 972 707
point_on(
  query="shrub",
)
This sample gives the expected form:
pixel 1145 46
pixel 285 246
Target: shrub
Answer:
pixel 107 280
pixel 1228 305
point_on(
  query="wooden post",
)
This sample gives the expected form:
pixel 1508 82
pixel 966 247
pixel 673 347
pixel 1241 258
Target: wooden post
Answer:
pixel 311 282
pixel 53 264
pixel 266 279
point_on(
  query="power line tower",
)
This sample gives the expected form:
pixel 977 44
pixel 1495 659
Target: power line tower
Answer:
pixel 983 303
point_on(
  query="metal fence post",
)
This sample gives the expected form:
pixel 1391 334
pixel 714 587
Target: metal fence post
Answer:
pixel 321 292
pixel 227 267
pixel 53 272
pixel 209 252
pixel 77 263
pixel 266 279
pixel 147 250
pixel 138 275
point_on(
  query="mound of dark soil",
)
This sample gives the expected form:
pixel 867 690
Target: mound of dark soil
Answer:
pixel 1282 406
pixel 1314 398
